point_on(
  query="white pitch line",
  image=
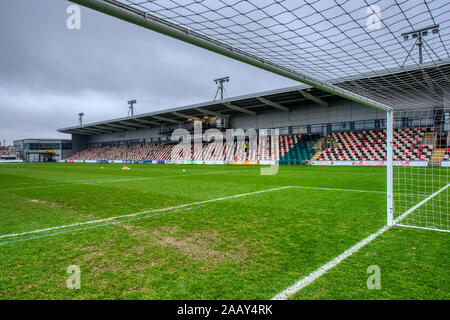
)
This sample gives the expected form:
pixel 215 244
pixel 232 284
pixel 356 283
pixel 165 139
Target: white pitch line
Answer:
pixel 313 276
pixel 140 213
pixel 97 225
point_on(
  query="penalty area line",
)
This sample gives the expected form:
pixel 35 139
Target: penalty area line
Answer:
pixel 96 226
pixel 139 213
pixel 171 208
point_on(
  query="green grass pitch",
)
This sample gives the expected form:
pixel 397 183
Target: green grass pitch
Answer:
pixel 251 246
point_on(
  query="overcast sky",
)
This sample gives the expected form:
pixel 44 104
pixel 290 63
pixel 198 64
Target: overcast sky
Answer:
pixel 49 73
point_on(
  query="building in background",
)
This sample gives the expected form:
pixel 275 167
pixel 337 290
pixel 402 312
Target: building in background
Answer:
pixel 9 153
pixel 43 150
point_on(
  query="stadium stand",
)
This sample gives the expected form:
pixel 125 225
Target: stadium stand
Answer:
pixel 297 149
pixel 447 154
pixel 409 145
pixel 294 148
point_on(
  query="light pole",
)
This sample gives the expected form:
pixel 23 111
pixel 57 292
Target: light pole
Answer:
pixel 80 119
pixel 220 87
pixel 131 107
pixel 420 41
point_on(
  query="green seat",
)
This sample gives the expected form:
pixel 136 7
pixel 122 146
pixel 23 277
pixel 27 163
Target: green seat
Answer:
pixel 300 152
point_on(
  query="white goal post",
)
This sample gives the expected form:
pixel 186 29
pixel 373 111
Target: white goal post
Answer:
pixel 390 168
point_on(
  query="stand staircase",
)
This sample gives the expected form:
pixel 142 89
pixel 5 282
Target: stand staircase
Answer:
pixel 438 156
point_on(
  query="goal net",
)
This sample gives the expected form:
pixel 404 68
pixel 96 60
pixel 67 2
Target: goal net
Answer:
pixel 421 184
pixel 389 55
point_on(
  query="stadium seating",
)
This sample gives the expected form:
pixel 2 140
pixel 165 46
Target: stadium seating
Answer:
pixel 295 149
pixel 371 145
pixel 266 149
pixel 409 145
pixel 447 154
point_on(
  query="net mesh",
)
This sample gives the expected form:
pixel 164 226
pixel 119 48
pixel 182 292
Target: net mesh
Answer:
pixel 351 43
pixel 422 185
pixel 393 52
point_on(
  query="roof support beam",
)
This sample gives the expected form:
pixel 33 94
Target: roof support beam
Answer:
pixel 80 131
pixel 98 130
pixel 114 125
pixel 111 129
pixel 165 119
pixel 135 124
pixel 317 100
pixel 186 116
pixel 148 122
pixel 207 112
pixel 273 104
pixel 236 108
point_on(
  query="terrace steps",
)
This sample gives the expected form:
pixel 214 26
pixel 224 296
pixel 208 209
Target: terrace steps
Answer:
pixel 438 156
pixel 428 139
pixel 316 155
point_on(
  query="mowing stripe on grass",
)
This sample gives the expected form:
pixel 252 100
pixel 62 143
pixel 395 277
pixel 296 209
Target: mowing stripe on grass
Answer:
pixel 74 183
pixel 313 276
pixel 119 180
pixel 140 213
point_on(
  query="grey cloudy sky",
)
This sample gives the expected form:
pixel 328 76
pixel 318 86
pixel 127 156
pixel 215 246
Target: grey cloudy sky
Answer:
pixel 49 73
